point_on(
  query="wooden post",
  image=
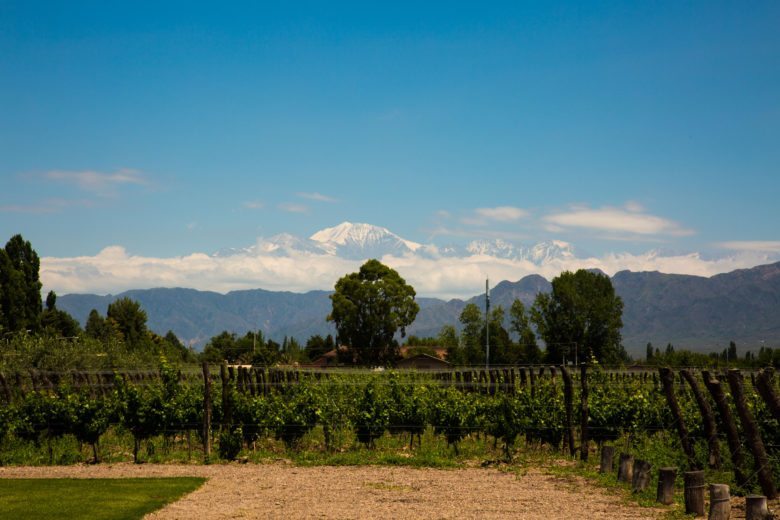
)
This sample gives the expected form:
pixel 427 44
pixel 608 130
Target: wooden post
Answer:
pixel 641 478
pixel 206 413
pixel 694 492
pixel 667 379
pixel 625 468
pixel 754 441
pixel 720 502
pixel 584 408
pixel 767 391
pixel 607 456
pixel 568 399
pixel 227 412
pixel 756 508
pixel 710 430
pixel 665 492
pixel 729 425
pixel 532 377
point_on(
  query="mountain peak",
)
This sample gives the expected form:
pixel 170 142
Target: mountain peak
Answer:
pixel 361 235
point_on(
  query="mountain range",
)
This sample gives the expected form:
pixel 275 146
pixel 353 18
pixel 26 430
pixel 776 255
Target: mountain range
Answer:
pixel 692 312
pixel 358 241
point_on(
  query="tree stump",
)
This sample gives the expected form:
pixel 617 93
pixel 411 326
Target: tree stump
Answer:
pixel 720 502
pixel 756 508
pixel 641 477
pixel 694 492
pixel 666 478
pixel 625 468
pixel 607 456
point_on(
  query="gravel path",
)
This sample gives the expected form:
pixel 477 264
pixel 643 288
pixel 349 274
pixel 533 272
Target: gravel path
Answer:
pixel 283 491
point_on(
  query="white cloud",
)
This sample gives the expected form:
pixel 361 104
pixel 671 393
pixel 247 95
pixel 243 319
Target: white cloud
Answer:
pixel 254 204
pixel 104 184
pixel 772 246
pixel 502 213
pixel 293 208
pixel 316 196
pixel 622 221
pixel 114 270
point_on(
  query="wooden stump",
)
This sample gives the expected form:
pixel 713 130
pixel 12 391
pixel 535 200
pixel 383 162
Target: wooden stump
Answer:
pixel 694 492
pixel 720 502
pixel 641 477
pixel 607 456
pixel 755 507
pixel 625 468
pixel 666 478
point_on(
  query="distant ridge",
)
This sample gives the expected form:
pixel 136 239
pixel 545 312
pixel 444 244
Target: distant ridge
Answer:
pixel 689 311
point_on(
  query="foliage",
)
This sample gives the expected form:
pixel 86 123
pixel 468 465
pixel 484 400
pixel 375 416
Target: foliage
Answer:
pixel 368 308
pixel 20 286
pixel 130 320
pixel 582 311
pixel 230 442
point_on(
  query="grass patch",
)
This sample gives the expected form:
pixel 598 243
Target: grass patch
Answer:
pixel 99 499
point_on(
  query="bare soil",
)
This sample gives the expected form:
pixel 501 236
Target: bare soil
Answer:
pixel 280 490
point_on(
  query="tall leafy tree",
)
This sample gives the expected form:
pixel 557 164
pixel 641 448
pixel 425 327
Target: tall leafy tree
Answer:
pixel 130 319
pixel 55 321
pixel 473 322
pixel 520 324
pixel 20 286
pixel 368 308
pixel 582 309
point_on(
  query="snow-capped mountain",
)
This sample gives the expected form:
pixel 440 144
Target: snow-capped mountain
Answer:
pixel 359 241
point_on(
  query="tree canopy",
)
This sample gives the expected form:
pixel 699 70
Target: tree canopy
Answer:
pixel 20 286
pixel 582 312
pixel 368 308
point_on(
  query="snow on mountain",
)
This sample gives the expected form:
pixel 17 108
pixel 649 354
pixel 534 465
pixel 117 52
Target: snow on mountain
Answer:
pixel 547 251
pixel 362 241
pixel 358 241
pixel 496 248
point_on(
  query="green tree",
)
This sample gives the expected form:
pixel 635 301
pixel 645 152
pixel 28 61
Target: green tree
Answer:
pixel 316 346
pixel 582 309
pixel 130 319
pixel 649 352
pixel 57 322
pixel 473 322
pixel 520 324
pixel 368 308
pixel 97 327
pixel 20 286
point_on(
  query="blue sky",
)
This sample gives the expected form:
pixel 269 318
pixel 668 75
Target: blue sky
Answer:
pixel 175 128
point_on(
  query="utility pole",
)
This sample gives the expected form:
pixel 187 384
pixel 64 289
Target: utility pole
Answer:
pixel 487 323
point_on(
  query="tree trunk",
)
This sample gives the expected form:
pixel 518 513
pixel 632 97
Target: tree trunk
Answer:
pixel 756 508
pixel 641 477
pixel 206 413
pixel 625 468
pixel 568 399
pixel 767 391
pixel 694 492
pixel 729 424
pixel 665 492
pixel 749 426
pixel 720 502
pixel 710 430
pixel 607 456
pixel 667 379
pixel 584 408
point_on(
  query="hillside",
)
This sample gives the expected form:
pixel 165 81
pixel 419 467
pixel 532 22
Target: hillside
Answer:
pixel 688 311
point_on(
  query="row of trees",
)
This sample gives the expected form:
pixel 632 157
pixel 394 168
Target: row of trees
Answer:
pixel 582 314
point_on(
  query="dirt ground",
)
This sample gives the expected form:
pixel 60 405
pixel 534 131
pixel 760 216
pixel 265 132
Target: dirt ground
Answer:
pixel 283 491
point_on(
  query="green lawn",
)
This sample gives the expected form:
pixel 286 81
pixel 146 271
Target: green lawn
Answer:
pixel 93 499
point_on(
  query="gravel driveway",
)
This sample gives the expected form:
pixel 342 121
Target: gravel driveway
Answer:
pixel 281 490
